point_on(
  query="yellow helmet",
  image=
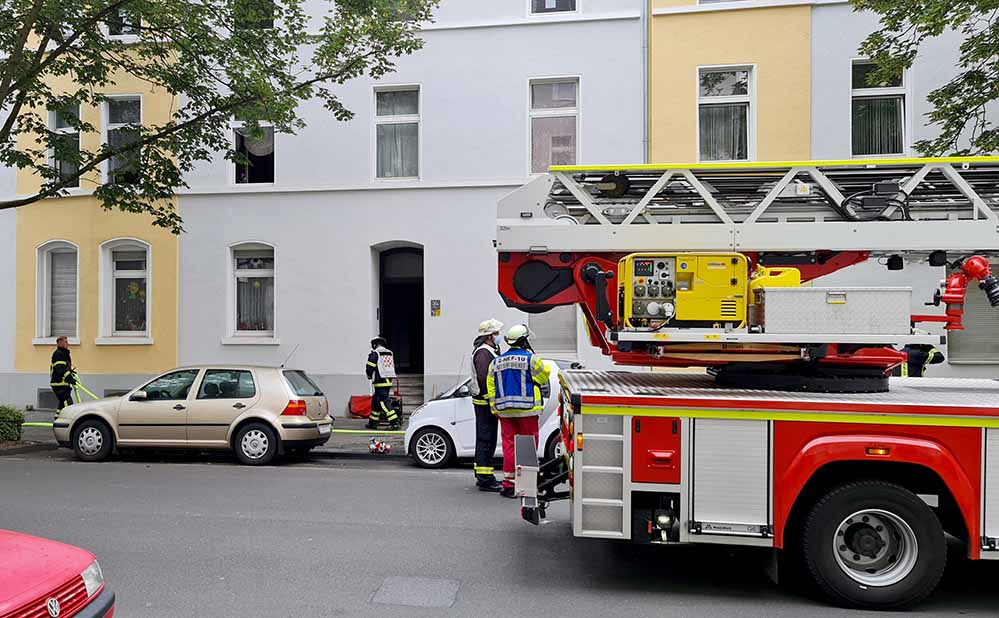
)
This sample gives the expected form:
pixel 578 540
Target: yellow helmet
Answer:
pixel 517 332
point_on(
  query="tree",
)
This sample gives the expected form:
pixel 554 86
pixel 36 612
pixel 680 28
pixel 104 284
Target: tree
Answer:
pixel 960 108
pixel 254 60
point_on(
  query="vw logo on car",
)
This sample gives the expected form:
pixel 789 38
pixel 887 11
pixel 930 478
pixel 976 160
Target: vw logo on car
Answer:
pixel 53 606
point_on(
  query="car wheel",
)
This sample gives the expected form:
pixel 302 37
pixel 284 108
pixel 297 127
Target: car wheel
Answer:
pixel 256 444
pixel 554 448
pixel 432 448
pixel 93 440
pixel 873 545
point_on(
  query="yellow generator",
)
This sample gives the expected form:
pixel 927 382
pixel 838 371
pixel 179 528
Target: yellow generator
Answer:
pixel 683 289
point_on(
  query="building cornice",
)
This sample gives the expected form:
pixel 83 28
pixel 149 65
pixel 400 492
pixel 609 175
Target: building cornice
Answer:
pixel 740 5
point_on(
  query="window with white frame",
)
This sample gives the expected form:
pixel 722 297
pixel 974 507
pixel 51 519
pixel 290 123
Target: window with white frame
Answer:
pixel 57 286
pixel 123 116
pixel 65 122
pixel 253 272
pixel 126 306
pixel 552 6
pixel 397 132
pixel 724 113
pixel 878 112
pixel 255 154
pixel 554 123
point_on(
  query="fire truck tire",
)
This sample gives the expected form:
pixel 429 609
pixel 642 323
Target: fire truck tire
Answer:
pixel 873 545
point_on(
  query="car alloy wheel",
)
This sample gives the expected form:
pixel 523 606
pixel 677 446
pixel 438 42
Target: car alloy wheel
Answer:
pixel 254 444
pixel 431 448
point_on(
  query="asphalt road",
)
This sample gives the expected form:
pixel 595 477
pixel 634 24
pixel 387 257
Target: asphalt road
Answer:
pixel 360 537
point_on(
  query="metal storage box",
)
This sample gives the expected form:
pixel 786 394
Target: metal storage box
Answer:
pixel 868 311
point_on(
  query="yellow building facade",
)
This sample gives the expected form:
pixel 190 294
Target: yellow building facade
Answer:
pixel 729 82
pixel 124 281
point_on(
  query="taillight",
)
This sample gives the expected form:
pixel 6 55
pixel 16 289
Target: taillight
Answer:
pixel 295 407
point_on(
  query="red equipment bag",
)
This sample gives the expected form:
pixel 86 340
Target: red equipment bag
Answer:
pixel 360 406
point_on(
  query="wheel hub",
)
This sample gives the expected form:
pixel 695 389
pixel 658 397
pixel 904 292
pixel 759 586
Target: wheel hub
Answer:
pixel 875 547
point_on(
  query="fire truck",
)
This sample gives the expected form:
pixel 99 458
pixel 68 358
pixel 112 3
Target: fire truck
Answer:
pixel 794 437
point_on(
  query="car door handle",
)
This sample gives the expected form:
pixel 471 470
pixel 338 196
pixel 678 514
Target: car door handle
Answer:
pixel 238 406
pixel 179 407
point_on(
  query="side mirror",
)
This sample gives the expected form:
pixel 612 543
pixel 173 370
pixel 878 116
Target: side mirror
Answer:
pixel 462 392
pixel 138 396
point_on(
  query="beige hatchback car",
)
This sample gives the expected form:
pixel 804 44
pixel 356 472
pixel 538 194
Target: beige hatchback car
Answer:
pixel 258 412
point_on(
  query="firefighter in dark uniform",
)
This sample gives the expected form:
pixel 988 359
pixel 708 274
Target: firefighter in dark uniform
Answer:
pixel 919 356
pixel 380 369
pixel 484 350
pixel 61 377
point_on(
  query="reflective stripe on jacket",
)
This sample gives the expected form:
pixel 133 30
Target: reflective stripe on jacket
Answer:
pixel 514 381
pixel 59 369
pixel 371 368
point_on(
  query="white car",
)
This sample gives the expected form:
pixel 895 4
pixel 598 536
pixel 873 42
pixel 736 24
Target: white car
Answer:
pixel 443 429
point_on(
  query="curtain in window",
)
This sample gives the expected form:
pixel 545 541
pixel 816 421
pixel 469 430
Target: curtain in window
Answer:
pixel 130 304
pixel 553 142
pixel 724 132
pixel 877 125
pixel 62 294
pixel 254 303
pixel 398 150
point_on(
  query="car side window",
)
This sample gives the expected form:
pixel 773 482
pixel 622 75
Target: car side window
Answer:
pixel 172 386
pixel 227 384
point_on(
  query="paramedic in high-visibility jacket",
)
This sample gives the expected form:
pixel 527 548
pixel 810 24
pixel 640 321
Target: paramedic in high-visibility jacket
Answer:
pixel 513 387
pixel 380 369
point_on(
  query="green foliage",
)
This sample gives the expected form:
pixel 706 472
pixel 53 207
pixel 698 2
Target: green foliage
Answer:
pixel 960 106
pixel 255 60
pixel 11 420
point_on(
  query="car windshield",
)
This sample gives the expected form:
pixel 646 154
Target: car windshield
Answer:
pixel 301 384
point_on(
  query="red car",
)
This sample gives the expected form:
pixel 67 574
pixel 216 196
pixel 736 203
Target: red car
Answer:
pixel 40 578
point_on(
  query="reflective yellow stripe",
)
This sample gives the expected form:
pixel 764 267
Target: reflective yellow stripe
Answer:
pixel 484 470
pixel 876 418
pixel 480 402
pixel 57 363
pixel 905 369
pixel 370 364
pixel 763 165
pixel 380 384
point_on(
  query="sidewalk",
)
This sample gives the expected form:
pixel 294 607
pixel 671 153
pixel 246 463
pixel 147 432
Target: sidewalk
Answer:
pixel 339 443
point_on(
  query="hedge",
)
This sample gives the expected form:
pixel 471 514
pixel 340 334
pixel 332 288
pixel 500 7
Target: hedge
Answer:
pixel 11 420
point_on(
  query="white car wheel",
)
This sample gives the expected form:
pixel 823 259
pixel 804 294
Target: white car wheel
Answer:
pixel 432 448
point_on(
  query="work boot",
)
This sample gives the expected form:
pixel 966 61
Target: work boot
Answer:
pixel 507 492
pixel 490 486
pixel 370 425
pixel 395 426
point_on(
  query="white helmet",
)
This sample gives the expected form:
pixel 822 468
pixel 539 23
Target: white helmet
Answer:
pixel 518 332
pixel 492 326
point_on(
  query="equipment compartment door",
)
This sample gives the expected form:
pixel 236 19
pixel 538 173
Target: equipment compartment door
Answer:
pixel 991 497
pixel 730 492
pixel 655 450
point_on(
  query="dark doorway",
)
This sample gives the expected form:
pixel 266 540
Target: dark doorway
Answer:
pixel 401 306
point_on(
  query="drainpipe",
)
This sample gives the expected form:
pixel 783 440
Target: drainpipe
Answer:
pixel 646 9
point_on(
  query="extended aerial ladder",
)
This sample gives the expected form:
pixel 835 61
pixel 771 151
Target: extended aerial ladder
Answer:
pixel 709 264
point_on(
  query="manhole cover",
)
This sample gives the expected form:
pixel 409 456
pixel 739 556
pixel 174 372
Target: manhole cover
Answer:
pixel 417 592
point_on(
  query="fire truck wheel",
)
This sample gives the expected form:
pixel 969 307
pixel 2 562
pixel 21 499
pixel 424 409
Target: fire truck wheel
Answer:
pixel 874 545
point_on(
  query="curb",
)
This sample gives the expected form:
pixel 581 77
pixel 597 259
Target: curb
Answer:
pixel 355 455
pixel 28 448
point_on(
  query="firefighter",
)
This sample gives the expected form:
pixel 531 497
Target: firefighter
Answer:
pixel 381 370
pixel 919 356
pixel 514 391
pixel 61 377
pixel 484 350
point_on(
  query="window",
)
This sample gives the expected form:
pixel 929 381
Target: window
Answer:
pixel 227 384
pixel 253 14
pixel 253 267
pixel 257 153
pixel 724 114
pixel 122 23
pixel 57 287
pixel 554 114
pixel 397 133
pixel 878 113
pixel 125 274
pixel 301 384
pixel 124 116
pixel 65 154
pixel 171 387
pixel 552 6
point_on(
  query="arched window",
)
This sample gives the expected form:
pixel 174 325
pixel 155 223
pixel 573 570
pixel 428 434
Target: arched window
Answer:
pixel 57 291
pixel 252 272
pixel 125 290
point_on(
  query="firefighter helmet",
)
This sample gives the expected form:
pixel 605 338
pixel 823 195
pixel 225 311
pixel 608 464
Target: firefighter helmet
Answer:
pixel 518 332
